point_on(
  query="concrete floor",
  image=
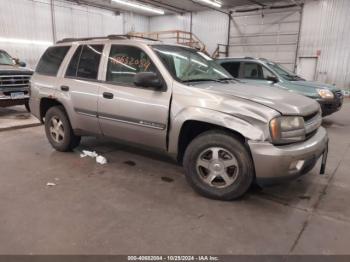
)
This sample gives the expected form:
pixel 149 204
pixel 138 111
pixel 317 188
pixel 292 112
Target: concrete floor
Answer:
pixel 140 204
pixel 16 117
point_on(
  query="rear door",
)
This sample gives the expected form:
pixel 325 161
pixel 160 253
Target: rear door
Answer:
pixel 128 112
pixel 80 86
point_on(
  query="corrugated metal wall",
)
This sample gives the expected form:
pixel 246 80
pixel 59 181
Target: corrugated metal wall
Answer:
pixel 210 26
pixel 136 23
pixel 271 34
pixel 326 28
pixel 27 20
pixel 30 20
pixel 170 22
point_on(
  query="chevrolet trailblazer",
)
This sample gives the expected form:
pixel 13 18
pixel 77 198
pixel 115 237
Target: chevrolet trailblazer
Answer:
pixel 175 99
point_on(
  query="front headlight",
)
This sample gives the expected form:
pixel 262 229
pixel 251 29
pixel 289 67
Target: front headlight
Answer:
pixel 287 129
pixel 325 93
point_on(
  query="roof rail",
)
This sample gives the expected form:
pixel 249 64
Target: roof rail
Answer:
pixel 127 36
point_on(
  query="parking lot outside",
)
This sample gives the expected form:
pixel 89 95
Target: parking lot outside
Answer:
pixel 140 203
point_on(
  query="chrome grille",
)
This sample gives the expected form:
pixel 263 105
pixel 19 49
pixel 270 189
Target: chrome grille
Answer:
pixel 338 93
pixel 8 82
pixel 312 123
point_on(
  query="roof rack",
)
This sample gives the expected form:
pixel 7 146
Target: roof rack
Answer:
pixel 111 37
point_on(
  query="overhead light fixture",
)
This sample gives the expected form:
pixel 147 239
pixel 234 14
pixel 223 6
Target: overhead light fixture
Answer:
pixel 211 2
pixel 24 41
pixel 140 6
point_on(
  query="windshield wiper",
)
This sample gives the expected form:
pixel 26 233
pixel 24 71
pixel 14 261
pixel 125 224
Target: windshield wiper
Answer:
pixel 227 79
pixel 202 80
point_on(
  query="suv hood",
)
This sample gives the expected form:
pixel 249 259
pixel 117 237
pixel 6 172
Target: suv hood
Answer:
pixel 14 69
pixel 285 102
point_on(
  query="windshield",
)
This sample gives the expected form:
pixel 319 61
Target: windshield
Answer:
pixel 189 65
pixel 285 73
pixel 5 58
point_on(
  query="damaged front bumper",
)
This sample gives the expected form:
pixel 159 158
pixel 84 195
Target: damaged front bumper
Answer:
pixel 275 164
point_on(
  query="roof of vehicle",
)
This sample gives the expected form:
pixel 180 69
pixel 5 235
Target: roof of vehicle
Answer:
pixel 127 38
pixel 110 37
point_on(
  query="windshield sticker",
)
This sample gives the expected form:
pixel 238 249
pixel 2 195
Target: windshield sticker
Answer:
pixel 130 62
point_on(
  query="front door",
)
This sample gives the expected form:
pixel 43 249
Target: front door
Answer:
pixel 256 73
pixel 131 113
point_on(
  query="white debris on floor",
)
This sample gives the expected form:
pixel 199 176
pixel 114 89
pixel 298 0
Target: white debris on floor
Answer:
pixel 91 154
pixel 99 159
pixel 50 184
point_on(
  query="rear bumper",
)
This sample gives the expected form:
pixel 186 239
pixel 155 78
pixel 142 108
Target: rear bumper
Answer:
pixel 275 164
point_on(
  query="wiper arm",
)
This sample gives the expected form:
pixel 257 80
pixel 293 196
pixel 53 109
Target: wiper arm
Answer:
pixel 227 79
pixel 202 80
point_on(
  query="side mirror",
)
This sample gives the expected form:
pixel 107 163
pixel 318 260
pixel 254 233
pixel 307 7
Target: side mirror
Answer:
pixel 19 62
pixel 148 79
pixel 272 79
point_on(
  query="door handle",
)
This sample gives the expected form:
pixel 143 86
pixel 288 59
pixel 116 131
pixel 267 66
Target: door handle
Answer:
pixel 65 88
pixel 108 95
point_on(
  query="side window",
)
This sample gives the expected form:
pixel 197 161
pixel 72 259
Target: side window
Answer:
pixel 74 62
pixel 125 62
pixel 85 62
pixel 51 60
pixel 267 73
pixel 232 67
pixel 256 71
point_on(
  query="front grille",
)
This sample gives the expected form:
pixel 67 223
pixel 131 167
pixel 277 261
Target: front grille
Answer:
pixel 338 94
pixel 8 82
pixel 312 123
pixel 310 117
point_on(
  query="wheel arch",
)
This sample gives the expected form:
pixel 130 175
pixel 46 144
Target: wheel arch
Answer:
pixel 194 121
pixel 46 104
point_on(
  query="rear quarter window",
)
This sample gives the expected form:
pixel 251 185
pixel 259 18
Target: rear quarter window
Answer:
pixel 51 60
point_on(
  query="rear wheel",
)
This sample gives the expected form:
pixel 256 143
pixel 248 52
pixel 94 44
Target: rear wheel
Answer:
pixel 59 131
pixel 218 166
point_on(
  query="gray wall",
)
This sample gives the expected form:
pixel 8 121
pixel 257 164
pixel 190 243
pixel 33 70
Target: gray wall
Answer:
pixel 26 25
pixel 273 36
pixel 326 27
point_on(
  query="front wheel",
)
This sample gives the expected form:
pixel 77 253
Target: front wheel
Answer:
pixel 59 131
pixel 218 166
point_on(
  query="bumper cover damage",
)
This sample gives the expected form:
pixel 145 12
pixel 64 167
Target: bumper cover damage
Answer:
pixel 276 164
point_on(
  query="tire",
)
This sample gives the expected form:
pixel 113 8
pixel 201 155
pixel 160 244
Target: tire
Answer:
pixel 26 104
pixel 229 162
pixel 61 136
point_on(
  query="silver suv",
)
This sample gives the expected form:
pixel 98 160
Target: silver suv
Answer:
pixel 178 100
